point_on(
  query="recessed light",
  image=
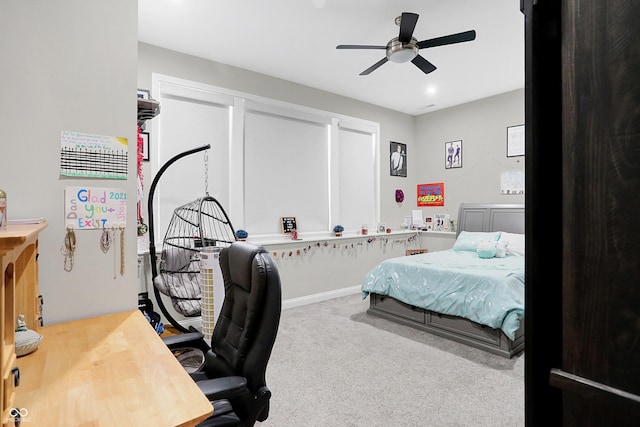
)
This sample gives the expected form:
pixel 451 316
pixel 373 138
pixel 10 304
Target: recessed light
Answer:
pixel 431 90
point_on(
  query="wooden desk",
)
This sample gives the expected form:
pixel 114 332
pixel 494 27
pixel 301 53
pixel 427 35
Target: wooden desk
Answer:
pixel 19 294
pixel 106 371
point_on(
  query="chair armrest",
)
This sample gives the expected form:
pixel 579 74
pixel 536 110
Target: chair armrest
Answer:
pixel 189 339
pixel 223 387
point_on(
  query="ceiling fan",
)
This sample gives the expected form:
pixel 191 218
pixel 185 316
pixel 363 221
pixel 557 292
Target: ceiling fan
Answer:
pixel 405 47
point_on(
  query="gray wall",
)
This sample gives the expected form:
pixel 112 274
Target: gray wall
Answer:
pixel 394 126
pixel 482 127
pixel 68 66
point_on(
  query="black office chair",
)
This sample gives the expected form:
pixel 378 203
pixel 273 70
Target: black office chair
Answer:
pixel 233 373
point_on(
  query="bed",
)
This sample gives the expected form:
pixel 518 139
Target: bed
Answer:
pixel 468 293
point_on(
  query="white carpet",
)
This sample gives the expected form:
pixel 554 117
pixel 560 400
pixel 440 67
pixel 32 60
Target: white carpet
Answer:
pixel 334 365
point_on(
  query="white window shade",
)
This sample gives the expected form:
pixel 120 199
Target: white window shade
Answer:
pixel 286 173
pixel 357 193
pixel 186 125
pixel 268 159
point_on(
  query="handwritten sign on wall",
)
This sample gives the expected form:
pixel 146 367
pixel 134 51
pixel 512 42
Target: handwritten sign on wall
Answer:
pixel 93 156
pixel 88 208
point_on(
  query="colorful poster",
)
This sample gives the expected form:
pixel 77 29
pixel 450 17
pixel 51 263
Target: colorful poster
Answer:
pixel 431 194
pixel 89 208
pixel 93 156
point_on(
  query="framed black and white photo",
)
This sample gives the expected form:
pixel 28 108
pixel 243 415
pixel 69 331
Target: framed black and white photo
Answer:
pixel 398 159
pixel 453 154
pixel 515 141
pixel 145 145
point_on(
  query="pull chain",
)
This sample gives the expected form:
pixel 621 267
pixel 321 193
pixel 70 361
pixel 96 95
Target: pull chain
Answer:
pixel 206 172
pixel 122 251
pixel 115 251
pixel 105 240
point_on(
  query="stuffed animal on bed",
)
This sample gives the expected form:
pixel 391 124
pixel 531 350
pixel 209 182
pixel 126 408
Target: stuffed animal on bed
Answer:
pixel 490 249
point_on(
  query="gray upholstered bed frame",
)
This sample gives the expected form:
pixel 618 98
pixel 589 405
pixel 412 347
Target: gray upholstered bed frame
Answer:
pixel 471 217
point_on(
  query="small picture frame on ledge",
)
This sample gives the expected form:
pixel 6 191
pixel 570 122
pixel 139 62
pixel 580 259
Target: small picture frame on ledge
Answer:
pixel 288 224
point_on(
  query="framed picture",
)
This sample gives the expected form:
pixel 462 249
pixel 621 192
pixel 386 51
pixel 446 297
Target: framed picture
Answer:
pixel 398 159
pixel 145 145
pixel 515 141
pixel 430 194
pixel 453 154
pixel 143 94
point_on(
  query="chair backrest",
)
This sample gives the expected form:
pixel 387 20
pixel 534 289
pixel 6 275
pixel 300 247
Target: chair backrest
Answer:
pixel 246 328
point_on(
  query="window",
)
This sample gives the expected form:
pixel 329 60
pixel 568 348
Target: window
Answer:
pixel 267 159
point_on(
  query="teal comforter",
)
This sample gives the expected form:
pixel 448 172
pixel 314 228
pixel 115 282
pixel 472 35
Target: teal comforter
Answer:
pixel 458 283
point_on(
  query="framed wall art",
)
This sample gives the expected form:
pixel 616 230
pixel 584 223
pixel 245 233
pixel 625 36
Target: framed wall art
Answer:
pixel 143 94
pixel 145 145
pixel 515 141
pixel 431 194
pixel 453 154
pixel 398 159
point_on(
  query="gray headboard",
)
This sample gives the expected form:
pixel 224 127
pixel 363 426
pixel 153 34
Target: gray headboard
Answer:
pixel 491 217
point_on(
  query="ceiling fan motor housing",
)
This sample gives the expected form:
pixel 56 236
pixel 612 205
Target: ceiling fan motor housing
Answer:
pixel 402 52
pixel 405 47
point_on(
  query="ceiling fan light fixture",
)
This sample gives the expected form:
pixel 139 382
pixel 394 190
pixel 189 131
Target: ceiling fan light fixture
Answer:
pixel 400 53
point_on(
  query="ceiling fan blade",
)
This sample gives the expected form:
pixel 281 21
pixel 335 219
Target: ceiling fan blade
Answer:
pixel 465 36
pixel 358 46
pixel 407 25
pixel 374 66
pixel 423 64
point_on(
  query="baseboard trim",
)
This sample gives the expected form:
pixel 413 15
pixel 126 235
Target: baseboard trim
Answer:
pixel 323 296
pixel 290 303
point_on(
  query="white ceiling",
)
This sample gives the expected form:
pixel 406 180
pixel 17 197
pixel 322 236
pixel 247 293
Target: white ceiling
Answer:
pixel 296 40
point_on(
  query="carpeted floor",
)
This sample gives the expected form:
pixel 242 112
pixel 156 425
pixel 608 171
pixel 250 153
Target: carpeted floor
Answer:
pixel 334 365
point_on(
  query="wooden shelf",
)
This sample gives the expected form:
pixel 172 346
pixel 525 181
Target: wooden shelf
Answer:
pixel 19 294
pixel 147 110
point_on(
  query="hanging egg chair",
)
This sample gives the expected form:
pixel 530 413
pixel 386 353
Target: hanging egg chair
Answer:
pixel 194 227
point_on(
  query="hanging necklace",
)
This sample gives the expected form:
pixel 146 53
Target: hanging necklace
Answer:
pixel 115 274
pixel 105 240
pixel 122 251
pixel 68 249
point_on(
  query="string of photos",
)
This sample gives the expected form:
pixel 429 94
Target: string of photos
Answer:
pixel 348 246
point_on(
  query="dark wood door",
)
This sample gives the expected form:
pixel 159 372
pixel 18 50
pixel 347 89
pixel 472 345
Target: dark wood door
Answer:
pixel 582 355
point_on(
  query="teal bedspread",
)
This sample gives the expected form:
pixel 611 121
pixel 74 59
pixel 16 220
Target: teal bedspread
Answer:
pixel 459 283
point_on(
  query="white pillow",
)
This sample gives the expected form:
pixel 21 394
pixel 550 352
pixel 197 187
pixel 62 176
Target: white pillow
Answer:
pixel 514 243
